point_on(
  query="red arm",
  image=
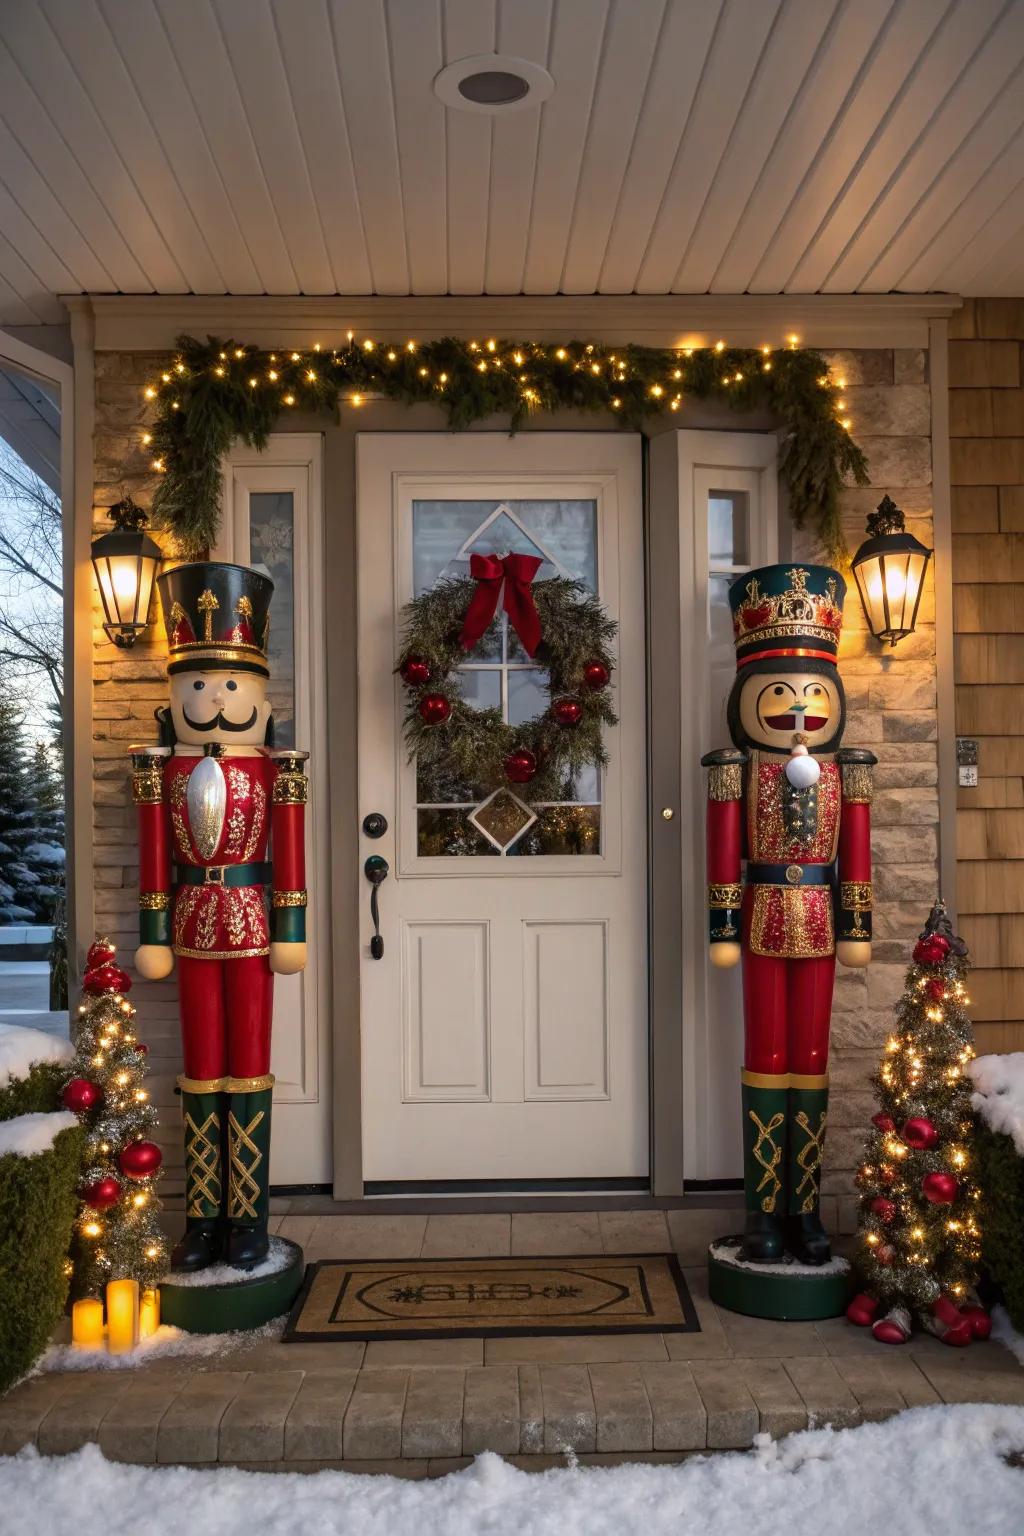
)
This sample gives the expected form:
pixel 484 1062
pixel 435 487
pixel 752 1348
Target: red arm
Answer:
pixel 853 915
pixel 154 844
pixel 724 843
pixel 288 848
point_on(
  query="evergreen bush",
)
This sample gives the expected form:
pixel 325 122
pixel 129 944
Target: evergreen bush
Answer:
pixel 1001 1173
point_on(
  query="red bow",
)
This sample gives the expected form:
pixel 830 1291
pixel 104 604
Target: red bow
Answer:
pixel 489 573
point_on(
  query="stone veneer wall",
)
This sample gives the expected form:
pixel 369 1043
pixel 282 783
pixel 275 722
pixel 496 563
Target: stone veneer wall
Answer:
pixel 891 710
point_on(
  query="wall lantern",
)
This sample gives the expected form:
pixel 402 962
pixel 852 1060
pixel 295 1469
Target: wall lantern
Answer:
pixel 889 568
pixel 125 561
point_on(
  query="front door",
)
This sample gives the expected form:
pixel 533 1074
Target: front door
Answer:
pixel 504 1029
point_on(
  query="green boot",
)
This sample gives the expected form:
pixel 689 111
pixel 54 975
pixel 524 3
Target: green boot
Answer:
pixel 201 1119
pixel 248 1164
pixel 764 1148
pixel 808 1116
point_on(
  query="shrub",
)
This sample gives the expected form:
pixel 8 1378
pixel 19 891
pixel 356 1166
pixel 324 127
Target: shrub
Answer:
pixel 1001 1171
pixel 36 1093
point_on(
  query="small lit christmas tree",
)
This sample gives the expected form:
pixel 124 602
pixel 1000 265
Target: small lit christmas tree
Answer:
pixel 920 1241
pixel 117 1236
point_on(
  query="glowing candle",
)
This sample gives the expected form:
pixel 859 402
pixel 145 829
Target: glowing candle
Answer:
pixel 87 1324
pixel 122 1316
pixel 149 1312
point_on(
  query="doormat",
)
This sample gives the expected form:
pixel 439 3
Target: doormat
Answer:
pixel 488 1298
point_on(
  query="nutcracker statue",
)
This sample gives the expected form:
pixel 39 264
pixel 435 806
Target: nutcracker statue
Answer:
pixel 220 840
pixel 795 805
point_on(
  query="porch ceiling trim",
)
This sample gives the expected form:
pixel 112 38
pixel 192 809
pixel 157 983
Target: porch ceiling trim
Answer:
pixel 151 322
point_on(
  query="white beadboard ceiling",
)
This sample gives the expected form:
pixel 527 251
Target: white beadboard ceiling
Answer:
pixel 689 147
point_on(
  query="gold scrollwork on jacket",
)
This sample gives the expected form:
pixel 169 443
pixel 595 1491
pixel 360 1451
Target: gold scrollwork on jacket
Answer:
pixel 725 897
pixel 855 895
pixel 259 819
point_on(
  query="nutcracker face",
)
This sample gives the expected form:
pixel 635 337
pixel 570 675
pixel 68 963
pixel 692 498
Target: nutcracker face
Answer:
pixel 224 706
pixel 771 708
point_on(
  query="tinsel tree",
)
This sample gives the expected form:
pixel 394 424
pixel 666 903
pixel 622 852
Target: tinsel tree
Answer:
pixel 919 1234
pixel 117 1233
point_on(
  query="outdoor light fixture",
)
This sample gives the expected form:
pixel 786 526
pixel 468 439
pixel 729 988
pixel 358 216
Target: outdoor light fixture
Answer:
pixel 125 561
pixel 889 568
pixel 493 82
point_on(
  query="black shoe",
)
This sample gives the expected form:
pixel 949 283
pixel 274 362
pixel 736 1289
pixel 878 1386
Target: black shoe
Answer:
pixel 198 1249
pixel 807 1239
pixel 763 1239
pixel 246 1246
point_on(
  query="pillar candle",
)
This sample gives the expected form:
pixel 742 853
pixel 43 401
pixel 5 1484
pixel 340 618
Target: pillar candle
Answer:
pixel 87 1323
pixel 149 1312
pixel 122 1315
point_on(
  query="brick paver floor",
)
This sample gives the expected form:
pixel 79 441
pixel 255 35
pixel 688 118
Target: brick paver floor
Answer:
pixel 423 1406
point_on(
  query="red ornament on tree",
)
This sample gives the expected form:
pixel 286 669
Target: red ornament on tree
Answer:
pixel 885 1253
pixel 139 1159
pixel 596 675
pixel 434 709
pixel 521 766
pixel 884 1209
pixel 103 1194
pixel 415 671
pixel 567 711
pixel 81 1095
pixel 919 1132
pixel 107 978
pixel 100 953
pixel 931 950
pixel 883 1122
pixel 939 1188
pixel 142 1047
pixel 935 989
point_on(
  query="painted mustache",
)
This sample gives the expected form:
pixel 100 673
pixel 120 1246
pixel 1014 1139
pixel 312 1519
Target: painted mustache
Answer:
pixel 220 721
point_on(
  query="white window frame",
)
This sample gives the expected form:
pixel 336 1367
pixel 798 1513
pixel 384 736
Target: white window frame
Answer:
pixel 712 1000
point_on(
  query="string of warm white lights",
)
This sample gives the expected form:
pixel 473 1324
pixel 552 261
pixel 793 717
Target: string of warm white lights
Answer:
pixel 216 391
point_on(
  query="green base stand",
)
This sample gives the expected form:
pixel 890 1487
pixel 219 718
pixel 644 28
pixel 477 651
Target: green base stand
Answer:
pixel 788 1292
pixel 247 1301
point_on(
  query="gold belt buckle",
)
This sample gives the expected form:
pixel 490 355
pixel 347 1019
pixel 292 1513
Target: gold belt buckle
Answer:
pixel 794 874
pixel 213 874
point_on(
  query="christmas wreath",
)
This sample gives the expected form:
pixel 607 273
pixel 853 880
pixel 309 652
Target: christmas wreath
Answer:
pixel 562 627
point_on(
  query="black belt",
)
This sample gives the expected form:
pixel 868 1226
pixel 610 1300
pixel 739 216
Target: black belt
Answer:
pixel 223 874
pixel 793 875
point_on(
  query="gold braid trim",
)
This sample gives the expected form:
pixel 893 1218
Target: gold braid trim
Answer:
pixel 289 898
pixel 202 1084
pixel 243 1191
pixel 725 897
pixel 855 895
pixel 858 783
pixel 809 1159
pixel 770 1178
pixel 725 781
pixel 291 789
pixel 249 1084
pixel 202 1163
pixel 148 786
pixel 154 901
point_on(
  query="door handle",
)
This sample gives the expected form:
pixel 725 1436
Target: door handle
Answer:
pixel 376 871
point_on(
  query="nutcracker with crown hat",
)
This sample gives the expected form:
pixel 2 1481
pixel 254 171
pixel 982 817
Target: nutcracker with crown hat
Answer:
pixel 221 892
pixel 789 887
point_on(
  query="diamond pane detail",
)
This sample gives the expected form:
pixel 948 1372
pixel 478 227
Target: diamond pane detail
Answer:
pixel 502 818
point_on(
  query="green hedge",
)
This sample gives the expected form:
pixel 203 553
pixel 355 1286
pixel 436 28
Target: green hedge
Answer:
pixel 36 1094
pixel 1001 1172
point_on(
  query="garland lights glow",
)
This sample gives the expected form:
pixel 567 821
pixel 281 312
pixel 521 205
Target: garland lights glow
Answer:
pixel 216 391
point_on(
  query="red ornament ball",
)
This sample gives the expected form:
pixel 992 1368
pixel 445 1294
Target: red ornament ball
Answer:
pixel 931 950
pixel 596 675
pixel 567 711
pixel 434 709
pixel 883 1122
pixel 142 1047
pixel 521 766
pixel 935 990
pixel 107 978
pixel 103 1194
pixel 886 1175
pixel 139 1159
pixel 919 1132
pixel 940 1188
pixel 415 671
pixel 100 953
pixel 81 1095
pixel 884 1209
pixel 885 1253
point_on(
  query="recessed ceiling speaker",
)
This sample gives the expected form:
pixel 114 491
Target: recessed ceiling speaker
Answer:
pixel 494 83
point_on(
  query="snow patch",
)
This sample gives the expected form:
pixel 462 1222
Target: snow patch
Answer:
pixel 28 1135
pixel 730 1253
pixel 1006 1334
pixel 278 1258
pixel 165 1344
pixel 928 1471
pixel 999 1094
pixel 21 1049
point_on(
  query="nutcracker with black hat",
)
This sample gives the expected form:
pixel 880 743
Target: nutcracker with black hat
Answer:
pixel 221 893
pixel 789 887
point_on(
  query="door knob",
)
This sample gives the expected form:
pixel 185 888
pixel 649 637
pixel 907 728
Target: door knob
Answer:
pixel 376 871
pixel 375 824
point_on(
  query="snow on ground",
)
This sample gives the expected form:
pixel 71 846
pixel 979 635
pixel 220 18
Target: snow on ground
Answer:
pixel 21 1048
pixel 279 1256
pixel 929 1472
pixel 159 1346
pixel 29 1134
pixel 999 1094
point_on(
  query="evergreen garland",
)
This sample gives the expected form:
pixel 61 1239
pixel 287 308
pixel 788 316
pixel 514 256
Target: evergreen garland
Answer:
pixel 468 751
pixel 217 391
